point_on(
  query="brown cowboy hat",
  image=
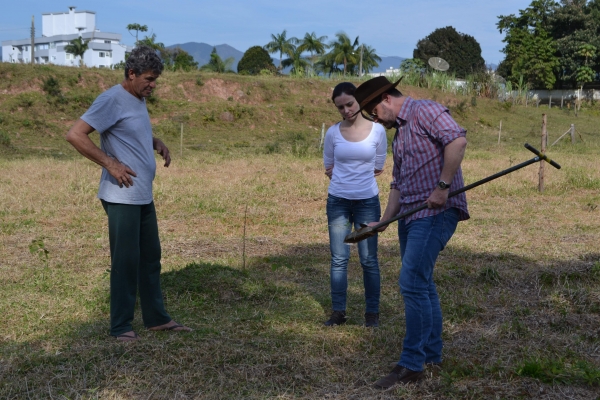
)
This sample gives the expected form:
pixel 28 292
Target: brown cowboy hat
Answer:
pixel 369 93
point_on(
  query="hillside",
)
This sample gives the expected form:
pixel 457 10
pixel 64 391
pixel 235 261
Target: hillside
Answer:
pixel 224 111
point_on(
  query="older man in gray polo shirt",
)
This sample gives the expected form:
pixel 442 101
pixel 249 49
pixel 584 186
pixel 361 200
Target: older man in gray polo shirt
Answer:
pixel 126 155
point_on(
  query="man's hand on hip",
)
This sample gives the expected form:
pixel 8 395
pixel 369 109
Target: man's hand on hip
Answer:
pixel 121 173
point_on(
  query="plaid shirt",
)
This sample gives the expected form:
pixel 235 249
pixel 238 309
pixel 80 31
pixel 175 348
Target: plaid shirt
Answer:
pixel 424 129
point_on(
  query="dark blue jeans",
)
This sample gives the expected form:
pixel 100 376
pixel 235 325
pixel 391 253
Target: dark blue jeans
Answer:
pixel 421 241
pixel 341 215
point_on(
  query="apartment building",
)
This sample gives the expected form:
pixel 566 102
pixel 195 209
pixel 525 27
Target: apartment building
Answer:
pixel 58 29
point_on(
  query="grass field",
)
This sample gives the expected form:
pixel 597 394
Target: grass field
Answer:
pixel 246 260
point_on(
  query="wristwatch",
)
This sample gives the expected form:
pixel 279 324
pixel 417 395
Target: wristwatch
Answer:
pixel 443 185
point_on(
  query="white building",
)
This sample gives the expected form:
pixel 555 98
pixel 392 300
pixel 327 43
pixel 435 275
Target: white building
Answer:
pixel 58 29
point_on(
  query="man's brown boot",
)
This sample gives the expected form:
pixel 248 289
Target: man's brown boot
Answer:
pixel 398 375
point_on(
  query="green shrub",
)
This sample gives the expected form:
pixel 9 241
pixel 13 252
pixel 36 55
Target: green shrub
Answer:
pixel 52 87
pixel 4 139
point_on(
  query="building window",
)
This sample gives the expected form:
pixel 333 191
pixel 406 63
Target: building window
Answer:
pixel 53 45
pixel 70 56
pixel 101 54
pixel 107 41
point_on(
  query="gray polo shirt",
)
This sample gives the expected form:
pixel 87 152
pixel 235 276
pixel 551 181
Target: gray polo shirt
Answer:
pixel 125 134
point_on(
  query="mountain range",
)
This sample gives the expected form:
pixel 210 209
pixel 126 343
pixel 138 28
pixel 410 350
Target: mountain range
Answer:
pixel 201 53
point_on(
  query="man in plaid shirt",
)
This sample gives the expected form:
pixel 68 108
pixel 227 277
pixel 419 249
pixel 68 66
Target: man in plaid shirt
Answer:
pixel 427 149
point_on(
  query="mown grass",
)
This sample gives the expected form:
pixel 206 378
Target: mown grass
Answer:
pixel 519 282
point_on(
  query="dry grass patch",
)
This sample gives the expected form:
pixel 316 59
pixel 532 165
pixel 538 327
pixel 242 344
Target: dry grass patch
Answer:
pixel 518 282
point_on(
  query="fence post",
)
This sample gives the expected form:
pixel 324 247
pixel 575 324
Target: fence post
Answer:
pixel 572 133
pixel 181 142
pixel 322 136
pixel 561 101
pixel 500 132
pixel 542 162
pixel 550 102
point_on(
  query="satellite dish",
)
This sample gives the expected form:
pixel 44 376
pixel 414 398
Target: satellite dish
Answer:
pixel 438 63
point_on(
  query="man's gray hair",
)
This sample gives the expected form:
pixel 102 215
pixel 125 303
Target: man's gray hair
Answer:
pixel 143 59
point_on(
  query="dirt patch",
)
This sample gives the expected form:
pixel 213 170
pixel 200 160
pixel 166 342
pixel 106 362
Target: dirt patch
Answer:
pixel 34 85
pixel 223 90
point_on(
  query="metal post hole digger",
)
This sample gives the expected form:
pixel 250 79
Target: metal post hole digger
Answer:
pixel 367 231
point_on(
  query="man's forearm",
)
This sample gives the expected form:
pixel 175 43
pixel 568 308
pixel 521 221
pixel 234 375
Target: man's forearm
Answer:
pixel 393 206
pixel 453 155
pixel 78 137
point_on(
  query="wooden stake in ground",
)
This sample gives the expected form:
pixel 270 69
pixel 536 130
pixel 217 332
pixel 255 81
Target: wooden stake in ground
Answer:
pixel 543 151
pixel 500 132
pixel 322 136
pixel 181 142
pixel 572 130
pixel 244 239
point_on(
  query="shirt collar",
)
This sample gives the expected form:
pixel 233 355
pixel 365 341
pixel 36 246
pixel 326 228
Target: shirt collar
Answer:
pixel 404 110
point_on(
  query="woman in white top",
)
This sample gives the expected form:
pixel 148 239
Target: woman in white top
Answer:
pixel 354 154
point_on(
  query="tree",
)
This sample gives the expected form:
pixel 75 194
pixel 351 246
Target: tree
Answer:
pixel 585 73
pixel 530 49
pixel 254 60
pixel 370 59
pixel 178 59
pixel 412 65
pixel 297 62
pixel 343 50
pixel 282 45
pixel 460 50
pixel 216 64
pixel 151 42
pixel 575 23
pixel 137 28
pixel 326 65
pixel 314 45
pixel 77 47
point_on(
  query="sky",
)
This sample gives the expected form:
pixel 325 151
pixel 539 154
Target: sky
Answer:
pixel 392 27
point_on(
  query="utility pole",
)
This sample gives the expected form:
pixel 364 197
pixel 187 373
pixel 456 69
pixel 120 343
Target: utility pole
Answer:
pixel 32 38
pixel 360 73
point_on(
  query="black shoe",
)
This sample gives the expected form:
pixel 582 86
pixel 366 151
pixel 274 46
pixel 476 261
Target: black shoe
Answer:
pixel 398 375
pixel 337 318
pixel 371 320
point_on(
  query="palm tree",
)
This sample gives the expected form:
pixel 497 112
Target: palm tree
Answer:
pixel 216 64
pixel 281 44
pixel 370 59
pixel 326 64
pixel 313 44
pixel 77 47
pixel 297 62
pixel 343 50
pixel 137 28
pixel 150 41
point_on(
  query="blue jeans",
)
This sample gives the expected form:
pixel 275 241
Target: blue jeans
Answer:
pixel 421 241
pixel 341 215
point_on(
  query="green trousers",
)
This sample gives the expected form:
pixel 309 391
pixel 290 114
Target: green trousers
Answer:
pixel 135 263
